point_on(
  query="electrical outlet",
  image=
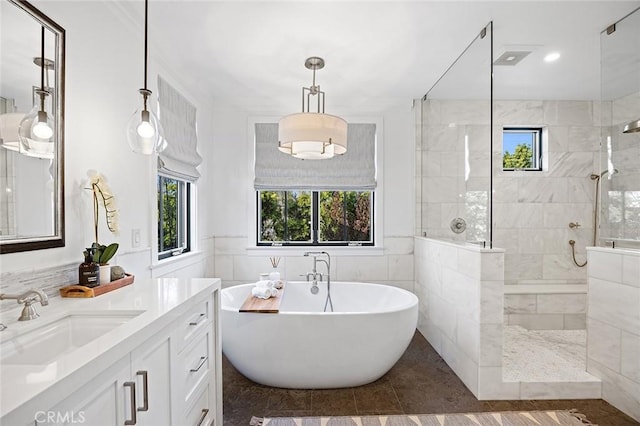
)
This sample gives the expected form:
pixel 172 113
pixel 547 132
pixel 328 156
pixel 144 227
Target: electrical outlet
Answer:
pixel 135 238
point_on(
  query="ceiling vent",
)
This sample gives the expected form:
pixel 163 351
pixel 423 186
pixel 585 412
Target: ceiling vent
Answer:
pixel 511 57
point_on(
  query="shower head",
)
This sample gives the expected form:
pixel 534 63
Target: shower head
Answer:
pixel 604 172
pixel 632 127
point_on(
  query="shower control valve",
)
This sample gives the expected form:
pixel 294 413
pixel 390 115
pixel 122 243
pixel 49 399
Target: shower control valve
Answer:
pixel 574 225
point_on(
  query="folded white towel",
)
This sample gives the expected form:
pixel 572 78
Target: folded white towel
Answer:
pixel 265 283
pixel 264 292
pixel 277 284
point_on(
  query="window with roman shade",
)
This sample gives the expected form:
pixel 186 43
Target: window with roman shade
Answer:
pixel 355 170
pixel 178 118
pixel 315 202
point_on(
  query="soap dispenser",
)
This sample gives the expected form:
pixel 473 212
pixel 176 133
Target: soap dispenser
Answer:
pixel 89 271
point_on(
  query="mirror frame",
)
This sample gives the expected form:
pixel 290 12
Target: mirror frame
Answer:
pixel 57 239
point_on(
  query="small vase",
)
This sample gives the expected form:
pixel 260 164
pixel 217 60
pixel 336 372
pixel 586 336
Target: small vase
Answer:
pixel 274 275
pixel 105 274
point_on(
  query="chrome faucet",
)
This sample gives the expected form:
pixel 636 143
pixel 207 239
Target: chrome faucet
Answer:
pixel 315 274
pixel 28 297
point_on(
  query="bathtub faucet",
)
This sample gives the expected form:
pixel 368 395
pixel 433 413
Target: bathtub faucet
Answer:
pixel 315 274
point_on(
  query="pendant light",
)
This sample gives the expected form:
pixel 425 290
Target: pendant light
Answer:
pixel 36 132
pixel 312 135
pixel 144 132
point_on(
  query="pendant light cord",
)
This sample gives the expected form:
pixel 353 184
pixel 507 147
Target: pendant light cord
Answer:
pixel 146 17
pixel 42 66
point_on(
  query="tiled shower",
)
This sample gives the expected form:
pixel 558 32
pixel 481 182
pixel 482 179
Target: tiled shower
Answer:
pixel 523 217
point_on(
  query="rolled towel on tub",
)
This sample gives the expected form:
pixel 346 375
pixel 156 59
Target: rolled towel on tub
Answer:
pixel 264 292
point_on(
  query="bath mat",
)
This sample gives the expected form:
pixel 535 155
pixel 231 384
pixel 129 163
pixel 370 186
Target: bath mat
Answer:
pixel 505 418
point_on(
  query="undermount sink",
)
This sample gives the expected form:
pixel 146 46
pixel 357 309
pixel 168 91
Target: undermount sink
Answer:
pixel 56 338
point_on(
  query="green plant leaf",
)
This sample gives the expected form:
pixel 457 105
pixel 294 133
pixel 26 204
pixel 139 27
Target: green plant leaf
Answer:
pixel 107 253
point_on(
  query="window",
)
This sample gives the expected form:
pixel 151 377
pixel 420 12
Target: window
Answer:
pixel 521 148
pixel 174 212
pixel 315 218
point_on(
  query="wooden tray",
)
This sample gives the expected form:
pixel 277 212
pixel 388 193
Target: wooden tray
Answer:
pixel 263 306
pixel 81 291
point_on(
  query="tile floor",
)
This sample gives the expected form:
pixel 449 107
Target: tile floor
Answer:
pixel 420 383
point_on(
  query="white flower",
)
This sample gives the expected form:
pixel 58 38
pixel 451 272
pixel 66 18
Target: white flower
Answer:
pixel 102 195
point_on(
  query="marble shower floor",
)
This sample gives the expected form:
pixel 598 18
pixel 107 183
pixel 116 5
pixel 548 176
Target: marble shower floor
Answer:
pixel 544 355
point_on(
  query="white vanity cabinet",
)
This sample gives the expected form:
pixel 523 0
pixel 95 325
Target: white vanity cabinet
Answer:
pixel 170 378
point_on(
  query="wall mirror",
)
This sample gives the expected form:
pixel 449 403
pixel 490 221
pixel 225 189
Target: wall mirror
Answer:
pixel 31 129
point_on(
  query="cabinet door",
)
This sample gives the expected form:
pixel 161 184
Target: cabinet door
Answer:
pixel 105 400
pixel 151 367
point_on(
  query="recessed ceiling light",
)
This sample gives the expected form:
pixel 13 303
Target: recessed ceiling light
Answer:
pixel 553 56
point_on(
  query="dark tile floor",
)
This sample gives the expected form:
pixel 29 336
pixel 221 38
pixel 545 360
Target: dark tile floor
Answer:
pixel 420 383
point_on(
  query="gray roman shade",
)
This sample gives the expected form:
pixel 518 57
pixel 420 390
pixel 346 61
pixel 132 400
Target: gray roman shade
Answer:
pixel 277 171
pixel 178 119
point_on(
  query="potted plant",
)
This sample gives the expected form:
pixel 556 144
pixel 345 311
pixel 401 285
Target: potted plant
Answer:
pixel 102 196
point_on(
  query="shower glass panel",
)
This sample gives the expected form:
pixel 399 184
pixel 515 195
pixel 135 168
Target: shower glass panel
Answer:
pixel 620 150
pixel 454 149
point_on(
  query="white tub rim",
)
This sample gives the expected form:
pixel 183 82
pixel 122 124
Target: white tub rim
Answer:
pixel 407 306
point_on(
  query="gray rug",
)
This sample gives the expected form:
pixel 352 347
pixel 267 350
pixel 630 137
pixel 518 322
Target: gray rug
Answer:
pixel 507 418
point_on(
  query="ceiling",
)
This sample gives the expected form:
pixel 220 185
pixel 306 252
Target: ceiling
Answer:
pixel 378 54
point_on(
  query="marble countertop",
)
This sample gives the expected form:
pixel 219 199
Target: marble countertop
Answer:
pixel 156 303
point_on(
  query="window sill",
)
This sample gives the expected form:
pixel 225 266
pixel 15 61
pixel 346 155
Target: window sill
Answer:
pixel 299 251
pixel 169 264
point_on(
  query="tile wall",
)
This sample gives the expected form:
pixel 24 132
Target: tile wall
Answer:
pixel 613 326
pixel 235 264
pixel 546 311
pixel 460 289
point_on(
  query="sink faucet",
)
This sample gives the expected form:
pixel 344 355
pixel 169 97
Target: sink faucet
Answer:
pixel 315 274
pixel 28 297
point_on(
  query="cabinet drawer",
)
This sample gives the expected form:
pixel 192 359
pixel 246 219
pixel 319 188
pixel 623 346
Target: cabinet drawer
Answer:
pixel 195 365
pixel 197 319
pixel 201 413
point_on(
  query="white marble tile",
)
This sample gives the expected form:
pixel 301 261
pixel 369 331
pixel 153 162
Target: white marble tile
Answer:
pixel 431 113
pixel 630 356
pixel 556 240
pixel 584 138
pixel 438 189
pixel 400 267
pixel 398 245
pixel 561 390
pixel 575 322
pixel 561 267
pixel 512 113
pixel 537 321
pixel 491 386
pixel 430 163
pixel 491 342
pixel 558 139
pixel 464 367
pixel 440 138
pixel 580 190
pixel 604 344
pixel 466 112
pixel 223 267
pixel 614 304
pixel 518 215
pixel 478 136
pixel 562 303
pixel 443 316
pixel 433 335
pixel 631 269
pixel 558 215
pixel 522 266
pixel 542 190
pixel 569 113
pixel 506 239
pixel 230 245
pixel 571 164
pixel 361 268
pixel 469 263
pixel 249 268
pixel 520 304
pixel 492 265
pixel 505 189
pixel 605 265
pixel 530 241
pixel 462 292
pixel 491 302
pixel 468 335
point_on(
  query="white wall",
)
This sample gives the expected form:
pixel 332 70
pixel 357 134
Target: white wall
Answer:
pixel 232 211
pixel 613 326
pixel 104 70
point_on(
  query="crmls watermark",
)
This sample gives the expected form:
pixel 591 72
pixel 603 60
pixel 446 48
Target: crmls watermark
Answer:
pixel 56 417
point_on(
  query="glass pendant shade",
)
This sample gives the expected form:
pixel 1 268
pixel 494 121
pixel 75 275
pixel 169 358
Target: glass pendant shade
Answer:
pixel 36 134
pixel 144 133
pixel 9 124
pixel 312 135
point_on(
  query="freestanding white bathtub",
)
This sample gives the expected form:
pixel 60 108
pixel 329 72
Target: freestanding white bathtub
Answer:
pixel 302 347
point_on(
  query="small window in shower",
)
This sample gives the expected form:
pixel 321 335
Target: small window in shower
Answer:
pixel 522 148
